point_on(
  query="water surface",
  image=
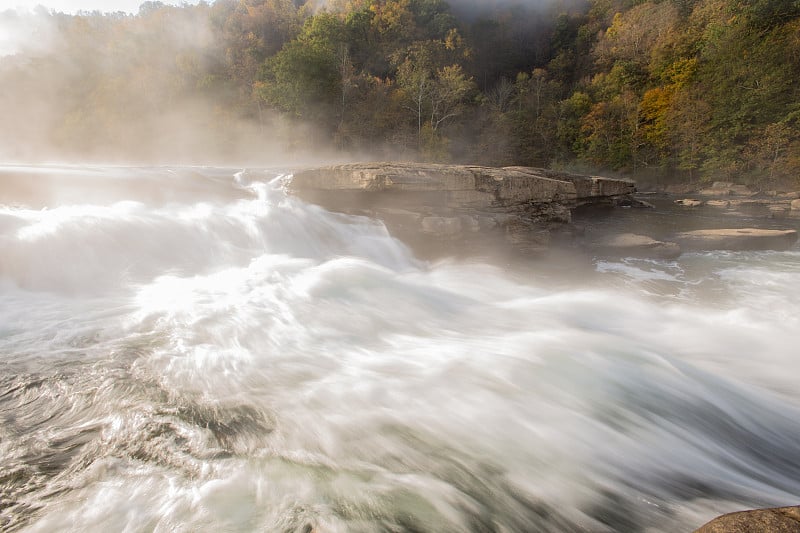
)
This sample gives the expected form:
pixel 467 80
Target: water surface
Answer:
pixel 192 350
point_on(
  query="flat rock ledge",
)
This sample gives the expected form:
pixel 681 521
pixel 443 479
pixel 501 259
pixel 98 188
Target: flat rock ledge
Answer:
pixel 778 520
pixel 451 201
pixel 737 239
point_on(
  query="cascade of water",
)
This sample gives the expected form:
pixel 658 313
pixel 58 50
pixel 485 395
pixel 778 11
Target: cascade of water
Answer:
pixel 218 355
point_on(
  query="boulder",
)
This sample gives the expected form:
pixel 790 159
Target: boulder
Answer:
pixel 737 239
pixel 795 205
pixel 634 203
pixel 778 520
pixel 633 245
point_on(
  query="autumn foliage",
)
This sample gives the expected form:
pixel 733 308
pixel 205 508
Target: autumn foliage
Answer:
pixel 663 90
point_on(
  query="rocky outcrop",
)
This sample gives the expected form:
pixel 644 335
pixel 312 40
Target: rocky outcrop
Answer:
pixel 633 245
pixel 778 520
pixel 457 200
pixel 461 186
pixel 737 239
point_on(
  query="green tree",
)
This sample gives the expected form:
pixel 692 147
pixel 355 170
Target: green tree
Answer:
pixel 305 77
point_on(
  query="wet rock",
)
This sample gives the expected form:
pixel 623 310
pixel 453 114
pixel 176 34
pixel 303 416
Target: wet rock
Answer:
pixel 737 239
pixel 721 204
pixel 633 245
pixel 778 520
pixel 634 203
pixel 795 205
pixel 688 202
pixel 790 195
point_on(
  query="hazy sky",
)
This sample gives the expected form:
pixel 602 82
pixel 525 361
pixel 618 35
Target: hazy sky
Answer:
pixel 71 6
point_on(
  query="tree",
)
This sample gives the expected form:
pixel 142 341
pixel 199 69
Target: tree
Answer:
pixel 610 133
pixel 689 121
pixel 434 95
pixel 768 154
pixel 305 77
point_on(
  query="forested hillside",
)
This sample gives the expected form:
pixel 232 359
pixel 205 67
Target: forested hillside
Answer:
pixel 669 90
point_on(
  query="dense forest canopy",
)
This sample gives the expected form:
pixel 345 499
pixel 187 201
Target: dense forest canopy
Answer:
pixel 667 89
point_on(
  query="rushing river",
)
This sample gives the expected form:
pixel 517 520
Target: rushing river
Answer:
pixel 192 350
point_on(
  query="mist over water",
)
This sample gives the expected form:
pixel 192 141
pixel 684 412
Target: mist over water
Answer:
pixel 189 349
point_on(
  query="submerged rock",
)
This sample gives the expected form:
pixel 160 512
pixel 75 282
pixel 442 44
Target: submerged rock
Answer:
pixel 633 245
pixel 737 239
pixel 634 203
pixel 777 520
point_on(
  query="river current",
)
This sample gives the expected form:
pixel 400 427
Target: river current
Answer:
pixel 190 349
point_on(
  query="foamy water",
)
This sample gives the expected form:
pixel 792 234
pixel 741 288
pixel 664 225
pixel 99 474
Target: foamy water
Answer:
pixel 192 350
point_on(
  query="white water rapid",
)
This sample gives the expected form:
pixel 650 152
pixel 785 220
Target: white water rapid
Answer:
pixel 192 350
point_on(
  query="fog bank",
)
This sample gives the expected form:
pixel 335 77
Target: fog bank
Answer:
pixel 151 88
